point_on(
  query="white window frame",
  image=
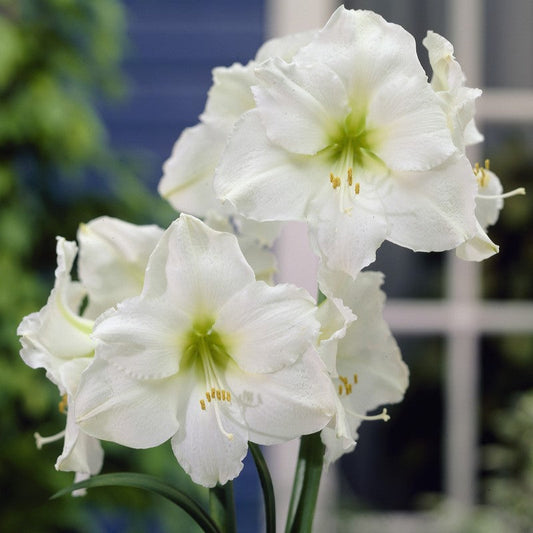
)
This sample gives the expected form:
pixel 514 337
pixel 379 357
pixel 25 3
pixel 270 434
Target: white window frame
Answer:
pixel 462 317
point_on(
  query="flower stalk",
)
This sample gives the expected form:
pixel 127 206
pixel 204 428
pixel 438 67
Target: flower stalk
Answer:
pixel 306 484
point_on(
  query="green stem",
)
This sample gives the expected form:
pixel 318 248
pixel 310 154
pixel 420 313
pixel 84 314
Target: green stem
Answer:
pixel 306 484
pixel 222 507
pixel 266 485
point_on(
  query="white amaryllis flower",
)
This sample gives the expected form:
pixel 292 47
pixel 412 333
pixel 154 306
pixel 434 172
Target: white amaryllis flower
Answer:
pixel 448 81
pixel 351 138
pixel 489 203
pixel 57 338
pixel 206 356
pixel 187 181
pixel 367 368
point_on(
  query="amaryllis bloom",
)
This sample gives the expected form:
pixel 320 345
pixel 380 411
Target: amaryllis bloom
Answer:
pixel 111 262
pixel 457 100
pixel 187 181
pixel 489 203
pixel 366 368
pixel 57 339
pixel 350 137
pixel 188 174
pixel 206 356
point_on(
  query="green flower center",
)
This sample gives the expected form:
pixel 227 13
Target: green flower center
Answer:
pixel 352 148
pixel 206 354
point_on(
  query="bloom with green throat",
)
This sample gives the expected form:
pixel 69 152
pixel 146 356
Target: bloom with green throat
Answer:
pixel 111 261
pixel 206 356
pixel 350 137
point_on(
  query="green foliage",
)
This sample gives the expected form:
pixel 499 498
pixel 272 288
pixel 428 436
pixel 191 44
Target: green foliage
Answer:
pixel 57 59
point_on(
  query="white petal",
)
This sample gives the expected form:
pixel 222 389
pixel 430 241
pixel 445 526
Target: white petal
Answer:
pixel 301 106
pixel 57 334
pixel 112 260
pixel 477 248
pixel 334 318
pixel 348 241
pixel 488 209
pixel 145 338
pixel 364 50
pixel 336 446
pixel 369 350
pixel 408 115
pixel 264 232
pixel 230 95
pixel 197 268
pixel 264 181
pixel 284 47
pixel 140 414
pixel 187 181
pixel 447 73
pixel 207 454
pixel 260 258
pixel 266 328
pixel 81 453
pixel 294 401
pixel 432 211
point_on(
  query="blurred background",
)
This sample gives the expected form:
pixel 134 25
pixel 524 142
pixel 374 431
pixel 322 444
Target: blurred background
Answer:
pixel 93 94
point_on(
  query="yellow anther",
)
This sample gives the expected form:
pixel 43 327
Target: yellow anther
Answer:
pixel 224 395
pixel 340 390
pixel 476 169
pixel 228 396
pixel 355 378
pixel 349 388
pixel 213 392
pixel 487 164
pixel 208 396
pixel 357 188
pixel 350 177
pixel 202 405
pixel 331 177
pixel 344 380
pixel 219 395
pixel 63 404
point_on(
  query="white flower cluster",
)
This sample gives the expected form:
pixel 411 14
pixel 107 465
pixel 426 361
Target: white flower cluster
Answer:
pixel 172 335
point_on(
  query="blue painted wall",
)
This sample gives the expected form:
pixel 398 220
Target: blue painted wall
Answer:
pixel 173 46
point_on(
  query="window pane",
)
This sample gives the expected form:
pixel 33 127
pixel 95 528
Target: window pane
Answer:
pixel 508 43
pixel 396 464
pixel 508 274
pixel 507 427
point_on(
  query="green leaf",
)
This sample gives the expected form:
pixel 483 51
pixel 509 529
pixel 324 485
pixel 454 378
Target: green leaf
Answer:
pixel 150 484
pixel 266 485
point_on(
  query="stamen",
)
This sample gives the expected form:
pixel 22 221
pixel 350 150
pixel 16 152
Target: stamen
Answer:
pixel 345 385
pixel 216 393
pixel 350 177
pixel 357 188
pixel 382 416
pixel 40 441
pixel 481 174
pixel 355 378
pixel 63 404
pixel 515 192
